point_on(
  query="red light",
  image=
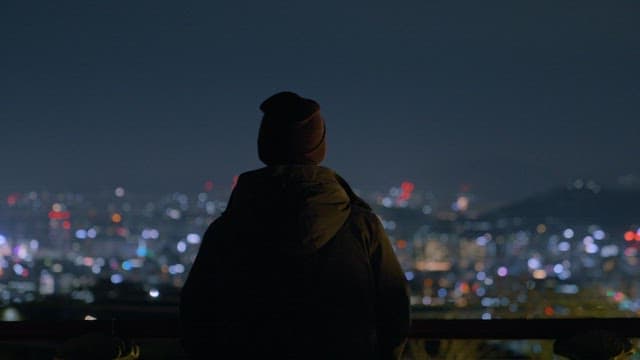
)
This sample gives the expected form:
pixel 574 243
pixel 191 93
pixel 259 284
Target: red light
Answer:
pixel 401 244
pixel 59 215
pixel 12 199
pixel 629 236
pixel 123 232
pixel 618 296
pixel 66 225
pixel 637 237
pixel 548 311
pixel 208 185
pixel 407 186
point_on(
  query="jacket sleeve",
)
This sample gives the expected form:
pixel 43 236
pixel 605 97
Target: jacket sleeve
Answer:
pixel 195 306
pixel 392 295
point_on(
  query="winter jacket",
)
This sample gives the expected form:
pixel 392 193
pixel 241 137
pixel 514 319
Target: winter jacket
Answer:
pixel 297 267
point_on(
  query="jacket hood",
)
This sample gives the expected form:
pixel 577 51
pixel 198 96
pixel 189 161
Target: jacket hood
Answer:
pixel 295 209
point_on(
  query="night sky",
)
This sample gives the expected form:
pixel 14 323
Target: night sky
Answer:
pixel 510 97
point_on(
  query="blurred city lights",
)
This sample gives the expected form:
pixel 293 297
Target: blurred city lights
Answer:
pixel 119 191
pixel 482 240
pixel 116 218
pixel 12 199
pixel 116 278
pixel 539 274
pixel 558 268
pixel 193 238
pixel 502 271
pixel 208 186
pixel 450 259
pixel 534 263
pixel 481 276
pixel 174 214
pixel 591 248
pixel 541 228
pixel 409 275
pixel 568 233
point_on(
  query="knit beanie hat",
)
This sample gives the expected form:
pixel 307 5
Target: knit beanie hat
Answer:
pixel 292 131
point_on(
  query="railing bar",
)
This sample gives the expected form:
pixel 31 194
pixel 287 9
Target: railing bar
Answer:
pixel 421 328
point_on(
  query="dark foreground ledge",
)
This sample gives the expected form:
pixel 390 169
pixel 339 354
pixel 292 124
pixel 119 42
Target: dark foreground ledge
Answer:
pixel 422 329
pixel 522 328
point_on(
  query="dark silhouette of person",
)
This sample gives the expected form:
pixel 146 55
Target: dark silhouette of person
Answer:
pixel 297 266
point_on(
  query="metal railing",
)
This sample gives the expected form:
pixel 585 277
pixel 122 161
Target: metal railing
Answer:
pixel 422 329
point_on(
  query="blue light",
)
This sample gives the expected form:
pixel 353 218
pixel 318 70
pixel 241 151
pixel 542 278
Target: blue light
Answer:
pixel 141 251
pixel 409 275
pixel 126 265
pixel 442 292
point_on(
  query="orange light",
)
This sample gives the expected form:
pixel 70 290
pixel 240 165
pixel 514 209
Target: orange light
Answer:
pixel 116 218
pixel 401 244
pixel 541 228
pixel 629 236
pixel 464 287
pixel 548 311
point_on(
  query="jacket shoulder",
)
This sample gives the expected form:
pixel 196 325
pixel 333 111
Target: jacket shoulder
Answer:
pixel 366 226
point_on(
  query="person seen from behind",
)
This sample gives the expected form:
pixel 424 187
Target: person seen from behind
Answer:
pixel 297 266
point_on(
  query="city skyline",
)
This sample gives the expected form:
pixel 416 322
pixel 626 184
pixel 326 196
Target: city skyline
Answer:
pixel 568 246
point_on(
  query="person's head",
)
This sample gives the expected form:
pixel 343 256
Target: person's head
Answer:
pixel 292 131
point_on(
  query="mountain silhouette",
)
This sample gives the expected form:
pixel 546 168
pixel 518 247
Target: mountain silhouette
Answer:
pixel 617 209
